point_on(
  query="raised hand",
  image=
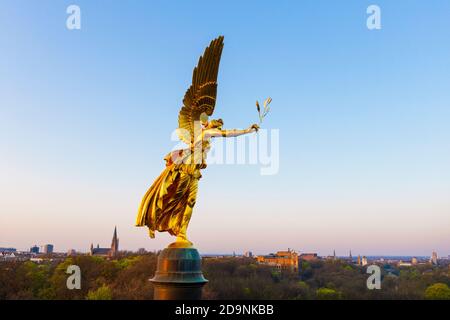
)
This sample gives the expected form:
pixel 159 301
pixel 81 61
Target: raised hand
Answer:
pixel 254 127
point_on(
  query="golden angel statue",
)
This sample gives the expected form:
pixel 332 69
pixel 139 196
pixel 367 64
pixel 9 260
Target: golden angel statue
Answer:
pixel 167 205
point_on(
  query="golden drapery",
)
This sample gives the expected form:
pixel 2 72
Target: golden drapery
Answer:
pixel 163 206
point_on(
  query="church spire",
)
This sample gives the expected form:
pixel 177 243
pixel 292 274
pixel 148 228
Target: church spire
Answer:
pixel 115 233
pixel 114 243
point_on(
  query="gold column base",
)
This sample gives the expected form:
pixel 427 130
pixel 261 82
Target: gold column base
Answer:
pixel 181 244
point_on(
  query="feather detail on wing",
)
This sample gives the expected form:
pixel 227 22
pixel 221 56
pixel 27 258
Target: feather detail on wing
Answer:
pixel 201 95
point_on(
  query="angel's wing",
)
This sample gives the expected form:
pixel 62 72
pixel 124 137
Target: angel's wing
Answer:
pixel 201 95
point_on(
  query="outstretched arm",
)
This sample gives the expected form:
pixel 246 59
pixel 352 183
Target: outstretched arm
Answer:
pixel 231 133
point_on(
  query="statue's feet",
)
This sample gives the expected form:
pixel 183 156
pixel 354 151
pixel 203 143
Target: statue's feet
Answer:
pixel 181 242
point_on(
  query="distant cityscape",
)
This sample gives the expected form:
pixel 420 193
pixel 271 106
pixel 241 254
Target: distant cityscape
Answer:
pixel 292 260
pixel 289 259
pixel 47 252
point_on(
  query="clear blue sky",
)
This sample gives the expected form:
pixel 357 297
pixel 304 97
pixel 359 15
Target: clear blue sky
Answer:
pixel 86 118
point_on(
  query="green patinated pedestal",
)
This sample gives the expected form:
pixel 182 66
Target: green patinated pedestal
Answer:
pixel 178 275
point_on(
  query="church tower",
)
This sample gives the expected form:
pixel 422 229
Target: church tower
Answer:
pixel 114 244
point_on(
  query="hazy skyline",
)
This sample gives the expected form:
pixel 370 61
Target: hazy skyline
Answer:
pixel 86 118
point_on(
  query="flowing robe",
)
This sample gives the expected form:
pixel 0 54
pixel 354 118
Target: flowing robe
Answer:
pixel 163 206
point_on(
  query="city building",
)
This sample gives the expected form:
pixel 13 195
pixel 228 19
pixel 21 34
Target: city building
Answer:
pixel 71 252
pixel 281 260
pixel 34 249
pixel 331 257
pixel 364 261
pixel 248 254
pixel 308 256
pixel 358 261
pixel 8 249
pixel 107 252
pixel 7 255
pixel 404 264
pixel 47 249
pixel 434 258
pixel 414 261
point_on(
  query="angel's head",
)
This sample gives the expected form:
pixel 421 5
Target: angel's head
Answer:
pixel 215 124
pixel 210 124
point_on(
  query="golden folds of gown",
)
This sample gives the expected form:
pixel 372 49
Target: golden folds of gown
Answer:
pixel 167 205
